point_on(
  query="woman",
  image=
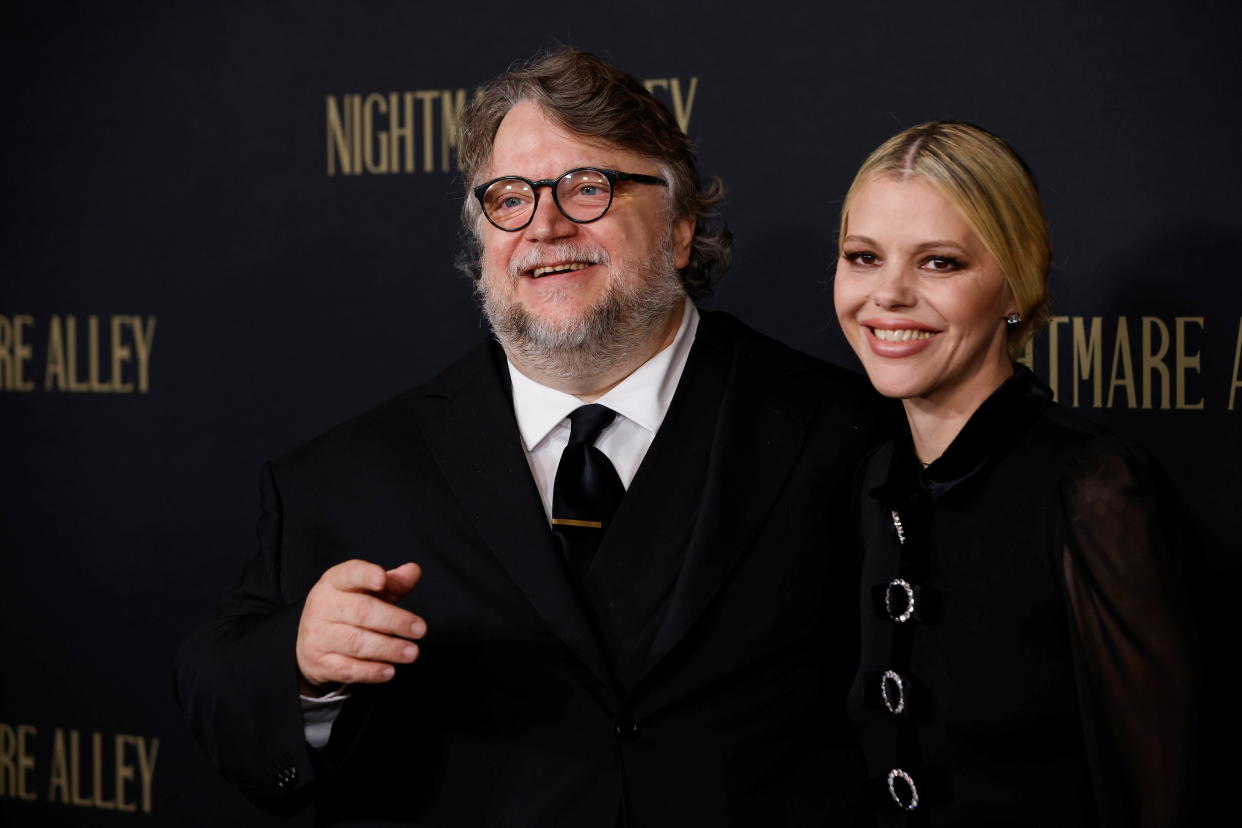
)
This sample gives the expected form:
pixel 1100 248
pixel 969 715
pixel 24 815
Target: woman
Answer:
pixel 1024 657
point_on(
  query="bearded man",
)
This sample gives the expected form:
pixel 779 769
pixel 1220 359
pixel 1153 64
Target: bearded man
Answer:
pixel 599 575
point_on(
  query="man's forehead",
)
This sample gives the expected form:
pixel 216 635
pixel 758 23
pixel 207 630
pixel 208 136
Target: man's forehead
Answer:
pixel 532 144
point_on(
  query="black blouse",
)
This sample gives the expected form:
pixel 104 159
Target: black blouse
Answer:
pixel 1026 656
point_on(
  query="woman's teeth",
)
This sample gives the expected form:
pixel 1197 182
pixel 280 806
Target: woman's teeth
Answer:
pixel 900 334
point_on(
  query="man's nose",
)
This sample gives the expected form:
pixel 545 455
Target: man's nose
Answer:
pixel 549 222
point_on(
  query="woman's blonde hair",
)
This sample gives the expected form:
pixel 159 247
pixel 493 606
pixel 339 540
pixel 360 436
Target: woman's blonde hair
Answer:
pixel 989 183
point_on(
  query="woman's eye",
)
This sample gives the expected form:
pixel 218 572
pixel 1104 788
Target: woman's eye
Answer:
pixel 942 264
pixel 861 257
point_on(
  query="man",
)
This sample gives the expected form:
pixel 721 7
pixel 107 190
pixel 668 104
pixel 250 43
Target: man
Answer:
pixel 504 606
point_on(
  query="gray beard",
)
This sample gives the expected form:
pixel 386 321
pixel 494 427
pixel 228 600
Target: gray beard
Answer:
pixel 611 333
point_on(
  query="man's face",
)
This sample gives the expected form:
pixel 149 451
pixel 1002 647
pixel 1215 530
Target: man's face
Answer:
pixel 557 285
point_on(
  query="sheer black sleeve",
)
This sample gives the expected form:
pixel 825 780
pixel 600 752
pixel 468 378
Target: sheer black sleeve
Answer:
pixel 1134 650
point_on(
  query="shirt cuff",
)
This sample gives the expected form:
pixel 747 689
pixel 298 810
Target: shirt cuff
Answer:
pixel 319 713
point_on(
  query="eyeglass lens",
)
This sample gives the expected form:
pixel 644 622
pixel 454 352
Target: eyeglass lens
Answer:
pixel 583 195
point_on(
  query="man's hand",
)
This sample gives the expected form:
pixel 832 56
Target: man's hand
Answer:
pixel 351 632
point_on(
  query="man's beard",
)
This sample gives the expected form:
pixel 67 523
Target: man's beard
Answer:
pixel 638 298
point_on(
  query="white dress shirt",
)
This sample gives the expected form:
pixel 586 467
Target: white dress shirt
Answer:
pixel 641 400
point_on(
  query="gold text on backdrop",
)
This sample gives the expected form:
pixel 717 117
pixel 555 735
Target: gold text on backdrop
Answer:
pixel 1143 362
pixel 110 772
pixel 385 133
pixel 94 355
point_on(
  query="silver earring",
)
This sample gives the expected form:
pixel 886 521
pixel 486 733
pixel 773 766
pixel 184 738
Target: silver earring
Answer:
pixel 1013 319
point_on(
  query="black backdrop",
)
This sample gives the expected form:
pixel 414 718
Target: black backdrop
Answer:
pixel 191 178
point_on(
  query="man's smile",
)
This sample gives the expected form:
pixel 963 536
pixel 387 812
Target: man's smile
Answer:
pixel 566 267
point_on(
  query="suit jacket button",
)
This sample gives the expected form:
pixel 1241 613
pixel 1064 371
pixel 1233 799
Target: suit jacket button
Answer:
pixel 285 777
pixel 627 729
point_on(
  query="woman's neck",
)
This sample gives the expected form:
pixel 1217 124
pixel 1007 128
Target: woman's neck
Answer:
pixel 937 418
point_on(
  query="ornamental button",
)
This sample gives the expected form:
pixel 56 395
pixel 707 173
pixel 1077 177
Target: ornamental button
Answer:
pixel 907 799
pixel 627 729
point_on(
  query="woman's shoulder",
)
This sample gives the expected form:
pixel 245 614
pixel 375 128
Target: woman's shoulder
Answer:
pixel 1084 439
pixel 1095 463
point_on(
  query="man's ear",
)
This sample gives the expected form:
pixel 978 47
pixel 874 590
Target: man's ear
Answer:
pixel 683 235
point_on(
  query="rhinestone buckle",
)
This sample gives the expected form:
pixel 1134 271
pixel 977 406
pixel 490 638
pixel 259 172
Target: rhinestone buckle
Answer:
pixel 893 776
pixel 896 708
pixel 908 613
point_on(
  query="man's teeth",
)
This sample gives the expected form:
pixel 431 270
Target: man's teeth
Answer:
pixel 900 334
pixel 560 268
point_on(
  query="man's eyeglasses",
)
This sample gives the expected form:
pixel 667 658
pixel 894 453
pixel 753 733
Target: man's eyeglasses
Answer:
pixel 582 195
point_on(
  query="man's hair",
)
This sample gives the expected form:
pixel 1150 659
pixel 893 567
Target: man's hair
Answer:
pixel 995 191
pixel 603 105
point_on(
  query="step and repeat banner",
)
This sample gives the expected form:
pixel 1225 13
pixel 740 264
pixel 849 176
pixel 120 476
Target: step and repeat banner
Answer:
pixel 229 226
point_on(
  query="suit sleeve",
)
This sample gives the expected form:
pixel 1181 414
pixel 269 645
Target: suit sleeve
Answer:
pixel 1135 654
pixel 237 678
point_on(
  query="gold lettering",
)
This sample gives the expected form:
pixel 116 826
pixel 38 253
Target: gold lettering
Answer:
pixel 124 772
pixel 373 139
pixel 16 761
pixel 355 115
pixel 8 766
pixel 92 345
pixel 1153 361
pixel 681 110
pixel 59 780
pixel 97 774
pixel 1088 358
pixel 655 83
pixel 339 138
pixel 121 354
pixel 427 96
pixel 7 363
pixel 55 357
pixel 1054 355
pixel 374 132
pixel 1185 361
pixel 1236 382
pixel 75 771
pixel 71 352
pixel 1121 356
pixel 143 339
pixel 14 353
pixel 450 123
pixel 25 761
pixel 146 768
pixel 398 132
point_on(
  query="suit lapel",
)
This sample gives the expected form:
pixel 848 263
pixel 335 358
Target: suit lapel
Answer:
pixel 761 429
pixel 467 416
pixel 641 556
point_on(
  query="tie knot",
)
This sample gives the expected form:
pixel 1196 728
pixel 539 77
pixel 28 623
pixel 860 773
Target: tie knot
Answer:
pixel 587 421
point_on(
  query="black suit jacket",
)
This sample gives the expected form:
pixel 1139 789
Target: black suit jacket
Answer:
pixel 717 700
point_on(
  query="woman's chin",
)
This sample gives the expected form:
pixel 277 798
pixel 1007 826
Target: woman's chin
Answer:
pixel 899 385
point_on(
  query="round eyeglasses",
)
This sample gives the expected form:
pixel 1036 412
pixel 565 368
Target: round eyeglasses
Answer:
pixel 583 195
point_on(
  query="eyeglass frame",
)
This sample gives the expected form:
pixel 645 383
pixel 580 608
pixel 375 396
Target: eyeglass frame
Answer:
pixel 613 177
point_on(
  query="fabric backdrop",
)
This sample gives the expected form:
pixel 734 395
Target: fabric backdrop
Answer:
pixel 228 226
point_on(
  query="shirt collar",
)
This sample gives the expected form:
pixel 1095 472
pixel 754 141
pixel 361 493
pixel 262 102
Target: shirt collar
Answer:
pixel 643 397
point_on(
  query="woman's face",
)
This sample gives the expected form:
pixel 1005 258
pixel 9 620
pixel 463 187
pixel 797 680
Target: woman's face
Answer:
pixel 920 299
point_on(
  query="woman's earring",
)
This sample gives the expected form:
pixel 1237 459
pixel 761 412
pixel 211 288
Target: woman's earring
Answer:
pixel 1013 319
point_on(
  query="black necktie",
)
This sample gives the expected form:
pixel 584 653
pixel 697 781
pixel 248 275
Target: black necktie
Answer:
pixel 587 489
